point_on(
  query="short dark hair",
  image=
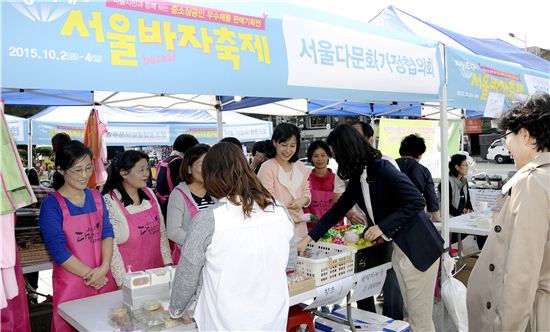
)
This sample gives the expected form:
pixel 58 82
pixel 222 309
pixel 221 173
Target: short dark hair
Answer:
pixel 260 146
pixel 189 158
pixel 233 140
pixel 352 150
pixel 65 157
pixel 534 116
pixel 317 145
pixel 282 133
pixel 367 129
pixel 413 146
pixel 183 142
pixel 123 161
pixel 456 160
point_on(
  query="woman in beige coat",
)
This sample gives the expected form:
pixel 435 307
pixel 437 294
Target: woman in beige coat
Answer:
pixel 509 288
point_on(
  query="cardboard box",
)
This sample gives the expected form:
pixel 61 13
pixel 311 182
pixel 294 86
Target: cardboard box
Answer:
pixel 301 287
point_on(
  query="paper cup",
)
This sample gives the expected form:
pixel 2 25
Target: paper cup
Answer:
pixel 483 206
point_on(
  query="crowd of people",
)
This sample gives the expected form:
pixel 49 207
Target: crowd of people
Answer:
pixel 234 229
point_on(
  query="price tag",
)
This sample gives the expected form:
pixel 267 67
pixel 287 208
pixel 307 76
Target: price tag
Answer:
pixel 332 292
pixel 369 283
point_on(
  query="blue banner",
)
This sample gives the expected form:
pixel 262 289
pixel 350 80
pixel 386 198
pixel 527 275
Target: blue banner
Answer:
pixel 132 134
pixel 266 50
pixel 488 85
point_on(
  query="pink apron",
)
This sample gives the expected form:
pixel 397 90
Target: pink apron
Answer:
pixel 83 239
pixel 321 202
pixel 15 317
pixel 142 249
pixel 175 249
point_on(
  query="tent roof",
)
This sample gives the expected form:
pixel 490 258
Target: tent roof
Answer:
pixel 494 48
pixel 46 97
pixel 367 108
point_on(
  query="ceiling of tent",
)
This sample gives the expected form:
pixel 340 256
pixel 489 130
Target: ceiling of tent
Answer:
pixel 395 18
pixel 365 108
pixel 46 97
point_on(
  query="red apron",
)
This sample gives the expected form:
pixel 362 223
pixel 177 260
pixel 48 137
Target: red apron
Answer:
pixel 83 239
pixel 142 249
pixel 174 248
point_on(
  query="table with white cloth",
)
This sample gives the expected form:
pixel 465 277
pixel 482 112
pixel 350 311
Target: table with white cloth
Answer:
pixel 468 224
pixel 93 313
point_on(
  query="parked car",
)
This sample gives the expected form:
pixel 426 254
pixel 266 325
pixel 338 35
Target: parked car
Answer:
pixel 498 152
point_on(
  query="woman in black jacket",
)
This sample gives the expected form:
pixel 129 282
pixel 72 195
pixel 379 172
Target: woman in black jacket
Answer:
pixel 398 213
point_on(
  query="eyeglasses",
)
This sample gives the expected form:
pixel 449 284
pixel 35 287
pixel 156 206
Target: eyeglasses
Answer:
pixel 82 171
pixel 504 135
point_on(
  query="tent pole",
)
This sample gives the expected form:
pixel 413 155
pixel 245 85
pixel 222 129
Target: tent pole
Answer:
pixel 443 125
pixel 29 146
pixel 462 128
pixel 219 120
pixel 444 194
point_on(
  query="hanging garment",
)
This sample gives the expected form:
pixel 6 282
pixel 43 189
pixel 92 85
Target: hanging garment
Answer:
pixel 15 190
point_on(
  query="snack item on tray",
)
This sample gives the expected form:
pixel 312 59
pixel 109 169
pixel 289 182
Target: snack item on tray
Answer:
pixel 151 305
pixel 137 279
pixel 295 277
pixel 119 312
pixel 170 323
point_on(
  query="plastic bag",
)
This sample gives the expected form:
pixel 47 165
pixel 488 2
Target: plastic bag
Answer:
pixel 453 293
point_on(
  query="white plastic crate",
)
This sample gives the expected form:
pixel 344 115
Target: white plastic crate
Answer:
pixel 339 264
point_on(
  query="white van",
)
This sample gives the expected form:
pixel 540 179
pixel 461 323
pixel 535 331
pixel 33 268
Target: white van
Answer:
pixel 498 152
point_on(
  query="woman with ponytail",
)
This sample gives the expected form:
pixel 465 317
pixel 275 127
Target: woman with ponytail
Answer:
pixel 78 235
pixel 140 235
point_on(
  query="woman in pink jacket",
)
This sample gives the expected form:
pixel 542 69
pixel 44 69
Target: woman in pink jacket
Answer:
pixel 285 177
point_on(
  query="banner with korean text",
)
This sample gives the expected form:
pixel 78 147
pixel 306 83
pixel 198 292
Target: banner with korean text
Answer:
pixel 132 134
pixel 233 48
pixel 392 131
pixel 480 83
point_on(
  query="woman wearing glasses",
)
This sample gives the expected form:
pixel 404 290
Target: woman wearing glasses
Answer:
pixel 78 235
pixel 140 234
pixel 509 288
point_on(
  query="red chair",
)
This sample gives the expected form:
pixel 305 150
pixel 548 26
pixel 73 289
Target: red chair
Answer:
pixel 297 316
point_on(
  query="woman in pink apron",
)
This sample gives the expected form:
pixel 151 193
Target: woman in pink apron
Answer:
pixel 186 199
pixel 321 182
pixel 140 234
pixel 76 230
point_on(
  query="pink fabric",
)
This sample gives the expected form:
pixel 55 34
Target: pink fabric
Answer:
pixel 8 281
pixel 268 176
pixel 83 237
pixel 322 193
pixel 174 248
pixel 15 317
pixel 142 249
